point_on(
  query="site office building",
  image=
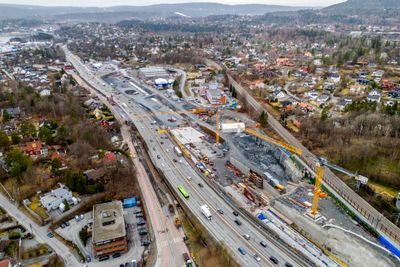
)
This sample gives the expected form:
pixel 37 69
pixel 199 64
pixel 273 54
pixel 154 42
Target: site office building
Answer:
pixel 109 233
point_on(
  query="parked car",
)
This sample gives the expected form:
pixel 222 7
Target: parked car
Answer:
pixel 67 223
pixel 242 250
pixel 63 225
pixel 104 258
pixel 88 258
pixel 116 255
pixel 50 234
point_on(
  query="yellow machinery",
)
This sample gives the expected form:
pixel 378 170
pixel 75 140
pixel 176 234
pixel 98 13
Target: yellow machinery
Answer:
pixel 286 146
pixel 318 193
pixel 317 189
pixel 217 126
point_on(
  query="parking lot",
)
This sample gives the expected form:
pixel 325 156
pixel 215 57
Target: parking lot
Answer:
pixel 137 236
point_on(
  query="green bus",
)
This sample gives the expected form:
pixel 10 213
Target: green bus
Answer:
pixel 183 191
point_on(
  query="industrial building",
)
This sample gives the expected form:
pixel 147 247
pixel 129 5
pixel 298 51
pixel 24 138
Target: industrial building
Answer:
pixel 109 233
pixel 152 73
pixel 186 135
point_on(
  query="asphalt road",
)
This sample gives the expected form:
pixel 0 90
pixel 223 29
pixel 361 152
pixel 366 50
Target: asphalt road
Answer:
pixel 369 213
pixel 40 233
pixel 170 245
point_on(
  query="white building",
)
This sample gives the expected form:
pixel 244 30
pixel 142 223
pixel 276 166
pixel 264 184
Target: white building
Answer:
pixel 53 199
pixel 236 127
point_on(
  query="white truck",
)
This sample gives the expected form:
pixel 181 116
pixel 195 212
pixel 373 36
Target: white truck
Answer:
pixel 206 211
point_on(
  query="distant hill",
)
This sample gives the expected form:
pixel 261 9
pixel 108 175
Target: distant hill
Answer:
pixel 361 7
pixel 116 13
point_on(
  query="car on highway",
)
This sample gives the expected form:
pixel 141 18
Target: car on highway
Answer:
pixel 238 222
pixel 287 264
pixel 273 259
pixel 189 178
pixel 262 243
pixel 235 213
pixel 221 211
pixel 158 156
pixel 201 185
pixel 246 236
pixel 242 250
pixel 257 257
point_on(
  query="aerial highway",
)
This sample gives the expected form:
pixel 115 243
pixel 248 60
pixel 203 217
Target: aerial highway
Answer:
pixel 222 227
pixel 169 241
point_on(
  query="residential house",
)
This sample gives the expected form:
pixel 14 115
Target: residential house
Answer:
pixel 374 96
pixel 53 199
pixel 35 149
pixel 45 92
pixel 323 99
pixel 278 94
pixel 312 95
pixel 343 103
pixel 11 112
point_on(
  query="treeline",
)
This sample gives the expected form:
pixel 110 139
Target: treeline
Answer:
pixel 169 27
pixel 368 143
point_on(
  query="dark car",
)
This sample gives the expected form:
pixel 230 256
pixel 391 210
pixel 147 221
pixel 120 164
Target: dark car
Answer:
pixel 235 213
pixel 287 264
pixel 104 258
pixel 88 258
pixel 63 225
pixel 262 243
pixel 116 255
pixel 242 250
pixel 67 223
pixel 238 222
pixel 201 185
pixel 121 265
pixel 274 260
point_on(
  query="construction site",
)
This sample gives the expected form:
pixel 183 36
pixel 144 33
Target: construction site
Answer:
pixel 262 176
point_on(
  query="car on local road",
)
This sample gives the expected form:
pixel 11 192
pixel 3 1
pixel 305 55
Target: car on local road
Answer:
pixel 49 234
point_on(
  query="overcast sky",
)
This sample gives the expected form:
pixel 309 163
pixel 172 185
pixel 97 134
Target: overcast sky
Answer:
pixel 149 2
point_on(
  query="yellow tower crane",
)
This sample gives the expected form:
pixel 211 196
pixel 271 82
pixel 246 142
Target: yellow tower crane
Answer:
pixel 298 151
pixel 217 126
pixel 317 189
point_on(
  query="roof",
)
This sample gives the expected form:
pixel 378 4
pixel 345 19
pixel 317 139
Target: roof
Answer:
pixel 5 263
pixel 108 221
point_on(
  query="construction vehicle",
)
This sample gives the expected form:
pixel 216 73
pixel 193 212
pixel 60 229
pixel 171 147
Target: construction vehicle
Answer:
pixel 178 223
pixel 317 189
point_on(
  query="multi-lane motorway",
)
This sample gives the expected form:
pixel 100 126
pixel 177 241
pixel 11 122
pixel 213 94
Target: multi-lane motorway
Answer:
pixel 222 227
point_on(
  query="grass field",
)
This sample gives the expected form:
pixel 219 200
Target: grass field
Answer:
pixel 35 206
pixel 383 190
